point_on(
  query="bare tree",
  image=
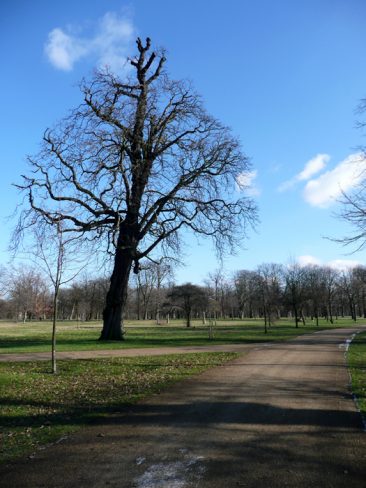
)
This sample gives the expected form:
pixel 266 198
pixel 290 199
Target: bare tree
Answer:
pixel 164 270
pixel 28 292
pixel 316 283
pixel 54 251
pixel 353 209
pixel 246 291
pixel 269 288
pixel 188 297
pixel 354 212
pixel 215 283
pixel 330 277
pixel 295 290
pixel 348 285
pixel 135 163
pixel 359 273
pixel 3 280
pixel 146 281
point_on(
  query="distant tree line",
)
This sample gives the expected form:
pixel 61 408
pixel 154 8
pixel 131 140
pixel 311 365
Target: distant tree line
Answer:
pixel 272 291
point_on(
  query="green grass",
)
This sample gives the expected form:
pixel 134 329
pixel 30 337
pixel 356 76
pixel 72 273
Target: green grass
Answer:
pixel 72 336
pixel 39 408
pixel 357 365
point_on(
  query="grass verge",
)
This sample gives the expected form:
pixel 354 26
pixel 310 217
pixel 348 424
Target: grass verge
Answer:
pixel 357 364
pixel 39 408
pixel 72 336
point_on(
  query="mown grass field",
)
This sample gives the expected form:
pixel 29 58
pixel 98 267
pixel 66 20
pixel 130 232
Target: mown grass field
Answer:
pixel 38 408
pixel 357 364
pixel 73 336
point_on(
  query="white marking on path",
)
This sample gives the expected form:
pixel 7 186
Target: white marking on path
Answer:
pixel 345 345
pixel 172 474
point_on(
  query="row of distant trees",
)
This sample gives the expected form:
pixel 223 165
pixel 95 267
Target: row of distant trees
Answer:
pixel 270 292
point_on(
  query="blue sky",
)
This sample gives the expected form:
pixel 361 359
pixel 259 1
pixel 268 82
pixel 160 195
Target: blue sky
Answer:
pixel 286 76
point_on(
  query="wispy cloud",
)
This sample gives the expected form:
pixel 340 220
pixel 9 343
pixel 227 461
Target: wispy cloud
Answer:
pixel 308 260
pixel 343 264
pixel 63 50
pixel 324 190
pixel 246 182
pixel 312 167
pixel 108 43
pixel 338 264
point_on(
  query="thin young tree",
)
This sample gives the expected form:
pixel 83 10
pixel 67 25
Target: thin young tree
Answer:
pixel 163 271
pixel 136 163
pixel 55 251
pixel 146 282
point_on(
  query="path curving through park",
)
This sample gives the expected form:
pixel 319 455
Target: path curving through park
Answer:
pixel 280 415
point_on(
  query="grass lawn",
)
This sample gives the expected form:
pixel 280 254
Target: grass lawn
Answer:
pixel 38 408
pixel 73 336
pixel 357 365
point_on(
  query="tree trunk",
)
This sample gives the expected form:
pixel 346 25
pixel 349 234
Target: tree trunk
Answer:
pixel 138 302
pixel 265 321
pixel 250 310
pixel 72 311
pixel 354 315
pixel 352 307
pixel 188 318
pixel 330 312
pixel 296 317
pixel 116 299
pixel 302 317
pixel 54 323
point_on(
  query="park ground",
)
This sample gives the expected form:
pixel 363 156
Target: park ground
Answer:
pixel 40 408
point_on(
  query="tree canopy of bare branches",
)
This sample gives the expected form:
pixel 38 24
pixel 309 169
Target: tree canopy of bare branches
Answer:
pixel 188 297
pixel 353 202
pixel 139 160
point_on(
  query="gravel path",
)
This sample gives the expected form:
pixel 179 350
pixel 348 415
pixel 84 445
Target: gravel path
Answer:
pixel 142 351
pixel 280 415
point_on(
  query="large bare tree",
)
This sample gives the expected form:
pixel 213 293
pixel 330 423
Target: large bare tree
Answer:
pixel 353 210
pixel 138 161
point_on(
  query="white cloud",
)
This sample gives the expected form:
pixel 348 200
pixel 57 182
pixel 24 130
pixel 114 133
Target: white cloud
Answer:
pixel 312 167
pixel 108 44
pixel 245 182
pixel 343 264
pixel 323 191
pixel 112 41
pixel 338 264
pixel 63 50
pixel 308 260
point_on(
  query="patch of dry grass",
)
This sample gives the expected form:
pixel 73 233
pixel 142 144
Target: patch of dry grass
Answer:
pixel 38 407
